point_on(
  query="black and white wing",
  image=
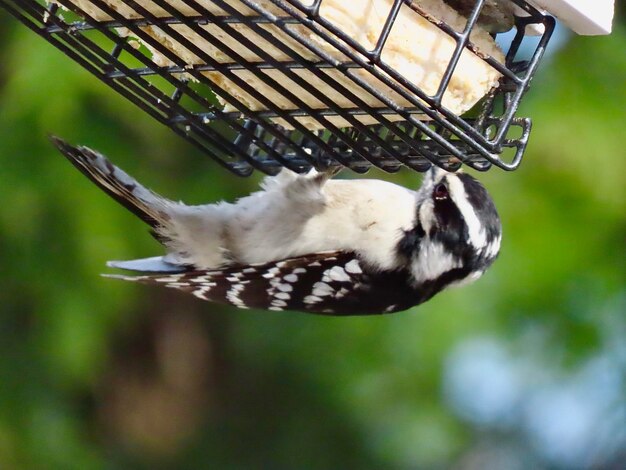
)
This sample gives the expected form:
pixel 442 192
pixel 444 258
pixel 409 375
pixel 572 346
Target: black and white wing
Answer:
pixel 331 283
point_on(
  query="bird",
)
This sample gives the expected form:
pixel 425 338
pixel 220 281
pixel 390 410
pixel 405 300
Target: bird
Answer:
pixel 311 243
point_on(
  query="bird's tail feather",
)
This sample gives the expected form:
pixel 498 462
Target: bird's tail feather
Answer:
pixel 155 264
pixel 145 204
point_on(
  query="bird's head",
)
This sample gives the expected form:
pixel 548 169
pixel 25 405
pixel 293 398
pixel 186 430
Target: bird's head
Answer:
pixel 458 231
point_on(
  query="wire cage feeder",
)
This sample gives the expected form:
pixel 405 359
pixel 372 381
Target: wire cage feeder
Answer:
pixel 246 37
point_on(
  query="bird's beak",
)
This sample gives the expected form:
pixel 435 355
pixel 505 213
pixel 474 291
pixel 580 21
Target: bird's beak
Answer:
pixel 434 174
pixel 431 176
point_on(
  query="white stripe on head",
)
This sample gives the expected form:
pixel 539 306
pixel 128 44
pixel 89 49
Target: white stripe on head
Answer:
pixel 494 247
pixel 476 231
pixel 426 214
pixel 434 260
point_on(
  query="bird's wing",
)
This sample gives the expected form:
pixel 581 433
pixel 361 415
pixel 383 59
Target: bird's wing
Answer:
pixel 331 283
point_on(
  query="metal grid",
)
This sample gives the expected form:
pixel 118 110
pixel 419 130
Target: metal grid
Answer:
pixel 245 140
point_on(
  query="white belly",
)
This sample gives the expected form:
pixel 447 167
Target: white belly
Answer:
pixel 365 216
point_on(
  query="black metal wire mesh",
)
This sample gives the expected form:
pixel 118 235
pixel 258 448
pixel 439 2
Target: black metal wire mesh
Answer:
pixel 180 86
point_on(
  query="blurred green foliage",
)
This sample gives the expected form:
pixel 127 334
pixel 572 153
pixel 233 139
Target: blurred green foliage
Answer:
pixel 100 374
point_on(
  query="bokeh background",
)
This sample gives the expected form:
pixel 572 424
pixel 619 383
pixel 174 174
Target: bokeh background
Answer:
pixel 524 369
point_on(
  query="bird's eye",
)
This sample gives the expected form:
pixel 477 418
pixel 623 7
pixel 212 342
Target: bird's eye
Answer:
pixel 441 192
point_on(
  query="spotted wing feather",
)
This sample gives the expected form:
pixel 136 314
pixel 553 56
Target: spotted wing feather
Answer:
pixel 332 283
